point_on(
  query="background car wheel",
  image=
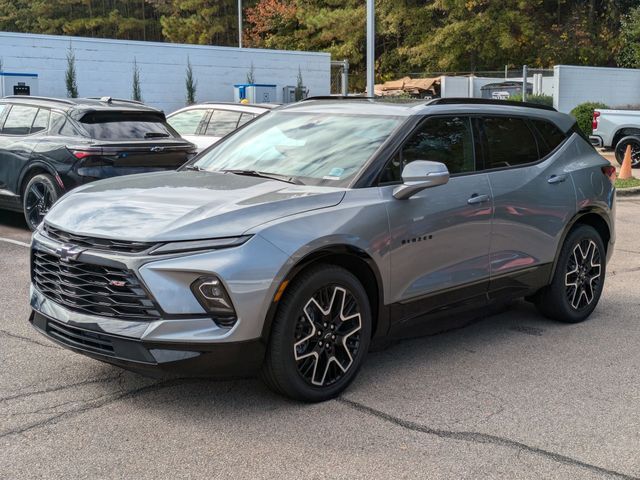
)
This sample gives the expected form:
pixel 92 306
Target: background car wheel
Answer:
pixel 320 335
pixel 621 148
pixel 578 280
pixel 39 195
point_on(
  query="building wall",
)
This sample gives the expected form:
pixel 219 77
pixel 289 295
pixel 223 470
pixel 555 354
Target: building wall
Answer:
pixel 105 67
pixel 612 86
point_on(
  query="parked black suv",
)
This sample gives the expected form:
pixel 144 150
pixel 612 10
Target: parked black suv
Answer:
pixel 49 146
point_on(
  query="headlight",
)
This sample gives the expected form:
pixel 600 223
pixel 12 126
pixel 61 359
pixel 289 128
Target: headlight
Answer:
pixel 214 299
pixel 192 245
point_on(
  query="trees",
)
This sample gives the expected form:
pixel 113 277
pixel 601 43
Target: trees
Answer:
pixel 629 54
pixel 190 84
pixel 411 35
pixel 70 74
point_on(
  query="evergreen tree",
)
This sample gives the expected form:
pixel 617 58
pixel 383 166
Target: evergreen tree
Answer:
pixel 70 74
pixel 251 75
pixel 191 84
pixel 299 93
pixel 136 92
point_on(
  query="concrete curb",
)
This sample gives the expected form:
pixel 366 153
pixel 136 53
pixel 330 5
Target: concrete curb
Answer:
pixel 628 192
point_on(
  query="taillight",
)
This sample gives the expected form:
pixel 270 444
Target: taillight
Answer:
pixel 594 122
pixel 610 173
pixel 81 152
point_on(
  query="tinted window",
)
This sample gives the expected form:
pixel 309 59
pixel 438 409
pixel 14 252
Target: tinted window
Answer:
pixel 245 117
pixel 440 139
pixel 222 122
pixel 41 122
pixel 126 125
pixel 508 142
pixel 551 135
pixel 186 123
pixel 61 125
pixel 19 120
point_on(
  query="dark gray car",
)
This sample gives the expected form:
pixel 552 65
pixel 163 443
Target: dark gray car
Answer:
pixel 300 239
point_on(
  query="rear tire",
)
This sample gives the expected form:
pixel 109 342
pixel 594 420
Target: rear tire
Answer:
pixel 320 335
pixel 621 148
pixel 578 279
pixel 39 195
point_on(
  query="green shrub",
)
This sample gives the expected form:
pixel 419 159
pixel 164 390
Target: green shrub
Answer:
pixel 583 114
pixel 538 99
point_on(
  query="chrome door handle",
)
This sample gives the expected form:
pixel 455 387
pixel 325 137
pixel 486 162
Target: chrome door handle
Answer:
pixel 557 179
pixel 475 198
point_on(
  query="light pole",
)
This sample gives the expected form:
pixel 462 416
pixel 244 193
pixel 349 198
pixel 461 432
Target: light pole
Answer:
pixel 371 48
pixel 239 23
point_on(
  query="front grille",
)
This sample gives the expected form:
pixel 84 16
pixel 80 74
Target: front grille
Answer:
pixel 123 246
pixel 75 337
pixel 94 289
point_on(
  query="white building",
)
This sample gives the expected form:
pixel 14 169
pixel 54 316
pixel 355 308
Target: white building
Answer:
pixel 105 67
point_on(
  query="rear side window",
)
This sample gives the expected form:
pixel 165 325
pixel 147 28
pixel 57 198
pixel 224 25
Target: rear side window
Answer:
pixel 61 125
pixel 19 120
pixel 551 135
pixel 41 121
pixel 2 107
pixel 126 126
pixel 508 142
pixel 244 118
pixel 186 123
pixel 222 122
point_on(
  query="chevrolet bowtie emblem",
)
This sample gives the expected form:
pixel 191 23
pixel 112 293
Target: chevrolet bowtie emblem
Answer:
pixel 68 252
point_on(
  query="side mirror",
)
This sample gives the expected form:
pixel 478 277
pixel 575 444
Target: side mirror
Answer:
pixel 418 175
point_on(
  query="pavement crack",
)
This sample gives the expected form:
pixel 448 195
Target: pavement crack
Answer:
pixel 481 438
pixel 4 333
pixel 93 405
pixel 56 389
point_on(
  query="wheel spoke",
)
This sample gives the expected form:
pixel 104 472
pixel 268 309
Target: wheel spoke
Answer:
pixel 327 335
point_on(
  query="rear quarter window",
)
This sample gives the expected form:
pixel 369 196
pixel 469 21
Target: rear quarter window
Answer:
pixel 551 135
pixel 126 126
pixel 509 142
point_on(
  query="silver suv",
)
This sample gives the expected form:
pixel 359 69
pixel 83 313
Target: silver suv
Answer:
pixel 321 228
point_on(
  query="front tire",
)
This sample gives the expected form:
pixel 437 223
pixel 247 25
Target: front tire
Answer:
pixel 578 279
pixel 320 335
pixel 39 195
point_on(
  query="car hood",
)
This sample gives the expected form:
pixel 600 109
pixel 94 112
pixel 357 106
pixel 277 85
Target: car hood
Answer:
pixel 187 205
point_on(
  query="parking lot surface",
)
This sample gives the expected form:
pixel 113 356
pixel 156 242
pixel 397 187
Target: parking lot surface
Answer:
pixel 511 396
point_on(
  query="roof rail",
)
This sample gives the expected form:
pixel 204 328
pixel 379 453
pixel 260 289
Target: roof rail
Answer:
pixel 110 99
pixel 48 99
pixel 487 101
pixel 337 97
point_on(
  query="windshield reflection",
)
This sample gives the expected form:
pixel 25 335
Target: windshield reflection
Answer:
pixel 314 148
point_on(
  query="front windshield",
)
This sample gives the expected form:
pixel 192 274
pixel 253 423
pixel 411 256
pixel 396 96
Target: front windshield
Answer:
pixel 312 148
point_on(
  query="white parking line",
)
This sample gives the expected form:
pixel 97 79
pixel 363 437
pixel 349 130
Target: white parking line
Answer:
pixel 15 242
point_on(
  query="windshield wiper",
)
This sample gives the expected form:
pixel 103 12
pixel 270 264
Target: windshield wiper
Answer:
pixel 195 168
pixel 270 176
pixel 156 135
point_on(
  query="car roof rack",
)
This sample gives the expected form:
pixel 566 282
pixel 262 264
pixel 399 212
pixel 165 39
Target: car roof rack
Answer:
pixel 487 101
pixel 337 97
pixel 108 99
pixel 48 99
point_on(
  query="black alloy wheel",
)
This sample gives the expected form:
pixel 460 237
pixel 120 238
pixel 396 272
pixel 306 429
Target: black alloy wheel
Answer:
pixel 320 335
pixel 578 280
pixel 39 195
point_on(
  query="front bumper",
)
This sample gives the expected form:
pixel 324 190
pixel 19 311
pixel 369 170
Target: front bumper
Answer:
pixel 184 338
pixel 596 141
pixel 152 358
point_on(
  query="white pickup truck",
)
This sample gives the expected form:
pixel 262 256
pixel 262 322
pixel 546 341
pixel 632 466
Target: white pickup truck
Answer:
pixel 618 129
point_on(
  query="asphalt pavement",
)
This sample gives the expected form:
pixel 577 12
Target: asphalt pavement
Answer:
pixel 511 396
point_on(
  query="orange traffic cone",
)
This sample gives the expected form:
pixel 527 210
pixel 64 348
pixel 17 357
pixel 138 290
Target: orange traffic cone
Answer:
pixel 625 171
